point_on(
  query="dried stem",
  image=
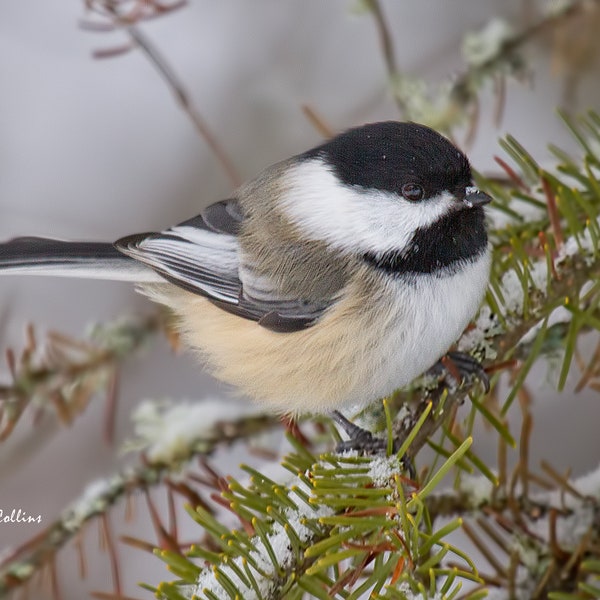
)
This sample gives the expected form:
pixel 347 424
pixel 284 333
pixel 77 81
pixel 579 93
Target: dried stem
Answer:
pixel 112 553
pixel 65 373
pixel 121 18
pixel 387 49
pixel 317 121
pixel 184 101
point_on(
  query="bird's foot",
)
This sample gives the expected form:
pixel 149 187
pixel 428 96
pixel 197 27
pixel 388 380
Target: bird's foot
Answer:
pixel 460 366
pixel 360 439
pixel 363 441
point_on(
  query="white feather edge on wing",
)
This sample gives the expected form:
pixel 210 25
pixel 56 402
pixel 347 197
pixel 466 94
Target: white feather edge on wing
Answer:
pixel 108 271
pixel 200 259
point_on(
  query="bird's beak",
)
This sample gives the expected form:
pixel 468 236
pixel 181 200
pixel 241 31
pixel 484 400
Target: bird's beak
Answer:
pixel 474 198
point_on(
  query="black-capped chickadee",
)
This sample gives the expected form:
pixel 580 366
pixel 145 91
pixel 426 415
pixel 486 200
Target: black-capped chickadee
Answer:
pixel 329 281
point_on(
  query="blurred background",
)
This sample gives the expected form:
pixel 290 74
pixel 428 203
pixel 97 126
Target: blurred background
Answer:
pixel 98 148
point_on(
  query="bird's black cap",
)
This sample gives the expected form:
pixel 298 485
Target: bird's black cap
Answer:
pixel 387 155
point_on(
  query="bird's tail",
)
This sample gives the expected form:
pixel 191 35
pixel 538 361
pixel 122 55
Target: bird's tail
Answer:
pixel 95 260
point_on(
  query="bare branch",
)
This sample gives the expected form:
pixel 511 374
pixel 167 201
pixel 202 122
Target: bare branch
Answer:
pixel 184 101
pixel 23 562
pixel 119 18
pixel 387 48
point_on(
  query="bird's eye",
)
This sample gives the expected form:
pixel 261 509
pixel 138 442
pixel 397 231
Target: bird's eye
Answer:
pixel 412 192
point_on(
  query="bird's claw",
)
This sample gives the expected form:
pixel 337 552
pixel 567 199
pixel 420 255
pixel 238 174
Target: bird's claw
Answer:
pixel 363 441
pixel 464 366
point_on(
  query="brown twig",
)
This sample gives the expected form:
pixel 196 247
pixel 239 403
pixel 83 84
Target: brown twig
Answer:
pixel 387 49
pixel 81 556
pixel 110 413
pixel 165 540
pixel 317 121
pixel 560 480
pixel 54 585
pixel 185 102
pixel 121 19
pixel 526 429
pixel 553 214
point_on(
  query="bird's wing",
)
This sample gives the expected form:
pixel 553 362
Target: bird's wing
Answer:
pixel 202 256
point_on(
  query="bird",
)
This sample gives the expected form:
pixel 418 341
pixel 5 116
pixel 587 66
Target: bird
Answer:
pixel 325 283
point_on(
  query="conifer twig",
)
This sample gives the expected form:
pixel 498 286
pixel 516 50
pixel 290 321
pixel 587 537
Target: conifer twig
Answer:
pixel 65 373
pixel 23 562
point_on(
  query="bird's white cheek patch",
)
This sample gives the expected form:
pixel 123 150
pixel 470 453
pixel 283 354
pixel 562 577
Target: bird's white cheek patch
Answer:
pixel 353 218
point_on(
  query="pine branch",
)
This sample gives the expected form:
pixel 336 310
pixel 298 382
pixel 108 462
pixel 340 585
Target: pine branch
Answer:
pixel 317 532
pixel 552 536
pixel 159 463
pixel 62 376
pixel 335 509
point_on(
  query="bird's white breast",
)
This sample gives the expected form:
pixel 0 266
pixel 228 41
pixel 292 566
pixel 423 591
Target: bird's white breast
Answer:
pixel 430 313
